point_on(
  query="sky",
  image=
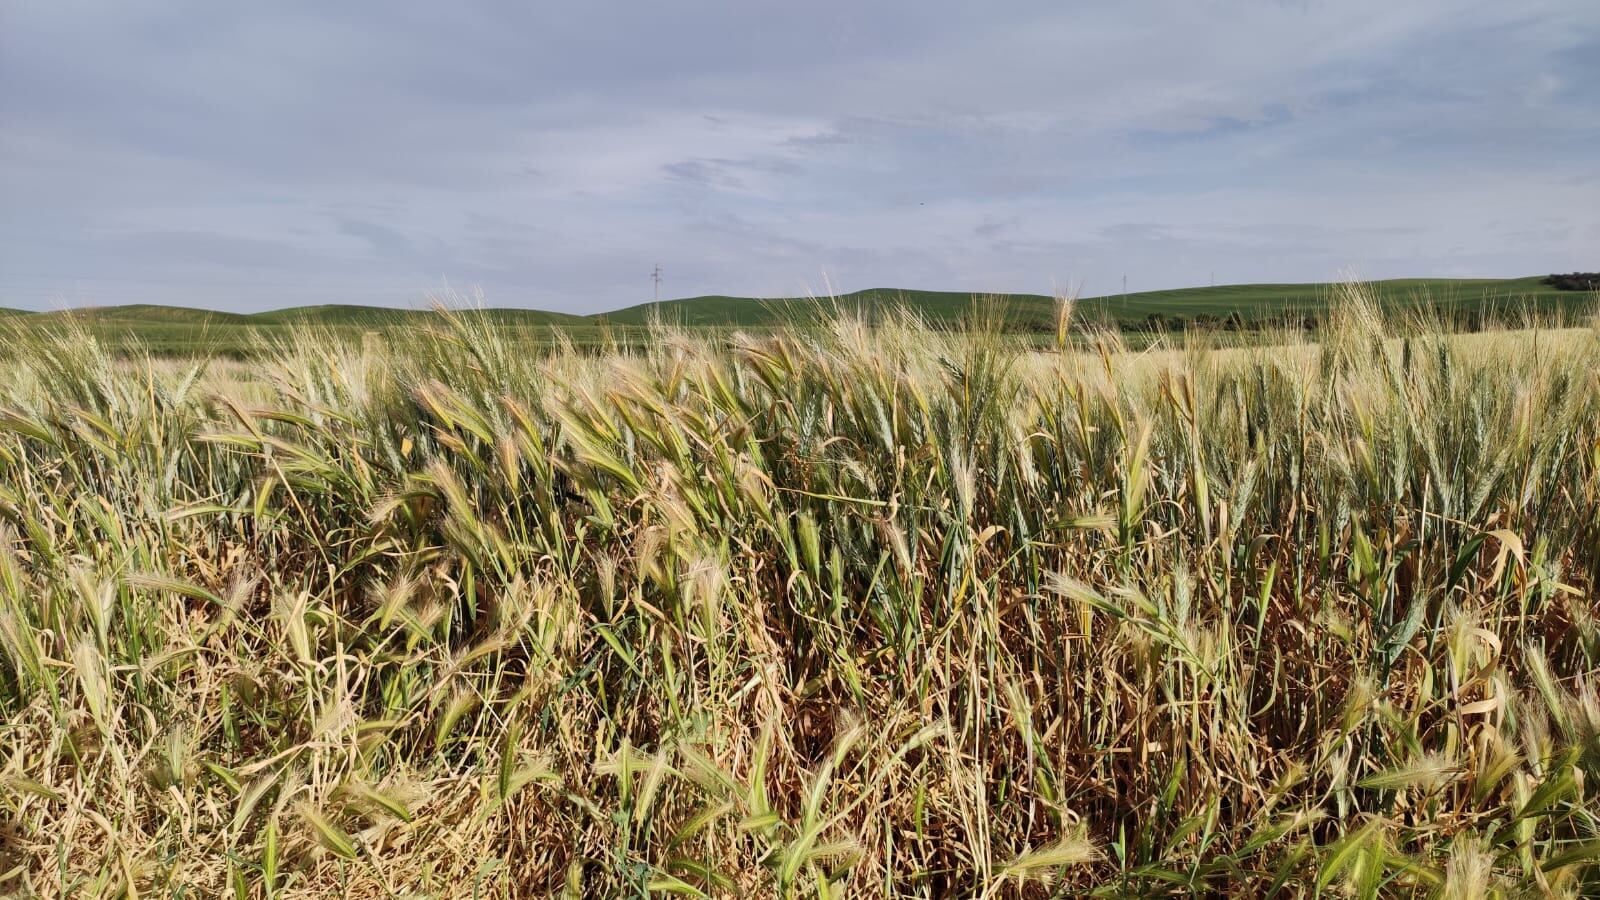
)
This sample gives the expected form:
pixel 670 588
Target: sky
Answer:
pixel 256 156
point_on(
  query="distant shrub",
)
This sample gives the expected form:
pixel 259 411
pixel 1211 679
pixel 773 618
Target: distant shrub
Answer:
pixel 1574 281
pixel 1165 322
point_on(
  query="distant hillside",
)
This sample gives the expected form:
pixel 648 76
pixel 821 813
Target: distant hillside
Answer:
pixel 1028 311
pixel 170 329
pixel 379 317
pixel 331 315
pixel 1259 301
pixel 939 306
pixel 142 313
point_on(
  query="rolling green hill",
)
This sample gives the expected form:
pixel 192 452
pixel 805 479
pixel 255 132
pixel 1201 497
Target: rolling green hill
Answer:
pixel 334 315
pixel 143 314
pixel 1253 302
pixel 1269 300
pixel 183 330
pixel 171 329
pixel 383 317
pixel 938 306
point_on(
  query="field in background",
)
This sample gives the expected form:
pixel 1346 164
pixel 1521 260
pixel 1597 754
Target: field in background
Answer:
pixel 833 611
pixel 1465 303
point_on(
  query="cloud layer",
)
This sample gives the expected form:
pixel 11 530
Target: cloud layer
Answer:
pixel 369 152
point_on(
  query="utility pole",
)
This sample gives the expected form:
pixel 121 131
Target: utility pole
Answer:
pixel 655 277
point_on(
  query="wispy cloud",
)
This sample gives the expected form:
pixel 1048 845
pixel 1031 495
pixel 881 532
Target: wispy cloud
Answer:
pixel 368 152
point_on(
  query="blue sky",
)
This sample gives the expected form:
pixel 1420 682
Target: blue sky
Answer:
pixel 250 157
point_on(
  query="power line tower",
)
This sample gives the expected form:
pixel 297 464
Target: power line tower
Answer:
pixel 655 278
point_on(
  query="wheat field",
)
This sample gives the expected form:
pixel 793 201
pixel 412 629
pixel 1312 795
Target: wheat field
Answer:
pixel 841 611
